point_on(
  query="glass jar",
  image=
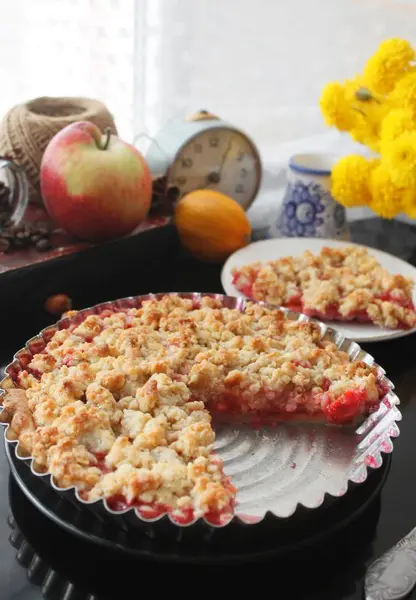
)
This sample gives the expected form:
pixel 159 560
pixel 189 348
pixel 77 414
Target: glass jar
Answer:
pixel 14 194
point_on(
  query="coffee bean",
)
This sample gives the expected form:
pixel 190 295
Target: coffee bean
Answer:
pixel 15 238
pixel 44 231
pixel 43 245
pixel 17 229
pixel 173 193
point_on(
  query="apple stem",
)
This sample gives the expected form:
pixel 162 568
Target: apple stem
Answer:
pixel 107 132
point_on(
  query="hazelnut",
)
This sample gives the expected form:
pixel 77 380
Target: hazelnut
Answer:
pixel 58 304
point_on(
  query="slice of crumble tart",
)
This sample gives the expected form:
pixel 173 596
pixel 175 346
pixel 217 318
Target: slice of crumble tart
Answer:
pixel 338 284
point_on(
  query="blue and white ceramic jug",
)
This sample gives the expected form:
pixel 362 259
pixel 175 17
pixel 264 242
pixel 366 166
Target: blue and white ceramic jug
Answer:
pixel 308 209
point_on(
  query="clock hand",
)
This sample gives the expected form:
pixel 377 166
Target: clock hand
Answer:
pixel 226 153
pixel 215 176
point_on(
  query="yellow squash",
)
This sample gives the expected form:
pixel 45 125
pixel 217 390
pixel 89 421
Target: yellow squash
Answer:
pixel 211 225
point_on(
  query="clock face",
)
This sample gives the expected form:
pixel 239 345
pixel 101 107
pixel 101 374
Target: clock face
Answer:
pixel 219 159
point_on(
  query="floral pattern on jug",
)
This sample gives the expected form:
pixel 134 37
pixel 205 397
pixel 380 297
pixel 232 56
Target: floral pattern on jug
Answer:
pixel 308 209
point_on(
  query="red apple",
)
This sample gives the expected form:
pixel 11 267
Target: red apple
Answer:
pixel 94 185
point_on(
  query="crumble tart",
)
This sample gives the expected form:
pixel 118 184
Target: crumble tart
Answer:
pixel 338 284
pixel 120 404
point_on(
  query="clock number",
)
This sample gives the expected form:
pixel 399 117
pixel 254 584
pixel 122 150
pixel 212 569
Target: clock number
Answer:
pixel 198 148
pixel 181 180
pixel 239 189
pixel 187 163
pixel 243 172
pixel 214 142
pixel 240 156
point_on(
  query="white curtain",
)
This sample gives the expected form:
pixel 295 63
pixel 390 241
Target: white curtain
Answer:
pixel 69 48
pixel 258 63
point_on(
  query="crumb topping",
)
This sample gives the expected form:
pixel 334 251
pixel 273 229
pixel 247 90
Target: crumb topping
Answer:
pixel 120 405
pixel 338 283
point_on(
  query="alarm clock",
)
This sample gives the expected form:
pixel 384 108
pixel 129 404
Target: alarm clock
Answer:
pixel 203 151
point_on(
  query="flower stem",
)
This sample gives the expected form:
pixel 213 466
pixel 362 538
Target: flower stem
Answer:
pixel 359 110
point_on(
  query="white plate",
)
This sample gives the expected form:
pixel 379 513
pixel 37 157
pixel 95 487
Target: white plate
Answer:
pixel 280 247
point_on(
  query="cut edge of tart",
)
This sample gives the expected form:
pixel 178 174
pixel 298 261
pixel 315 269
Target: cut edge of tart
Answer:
pixel 118 404
pixel 337 284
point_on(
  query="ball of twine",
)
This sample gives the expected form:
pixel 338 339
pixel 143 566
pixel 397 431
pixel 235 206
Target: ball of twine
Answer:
pixel 27 128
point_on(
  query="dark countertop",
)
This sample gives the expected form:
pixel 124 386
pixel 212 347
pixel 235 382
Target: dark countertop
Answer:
pixel 333 578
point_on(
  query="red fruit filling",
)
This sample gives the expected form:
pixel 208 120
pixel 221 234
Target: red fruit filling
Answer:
pixel 243 285
pixel 346 407
pixel 183 516
pixel 332 311
pixel 270 408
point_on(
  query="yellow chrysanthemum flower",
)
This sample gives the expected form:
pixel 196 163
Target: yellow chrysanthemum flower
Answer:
pixel 409 204
pixel 351 86
pixel 387 199
pixel 395 123
pixel 368 120
pixel 390 62
pixel 366 134
pixel 378 109
pixel 350 180
pixel 336 109
pixel 399 156
pixel 404 94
